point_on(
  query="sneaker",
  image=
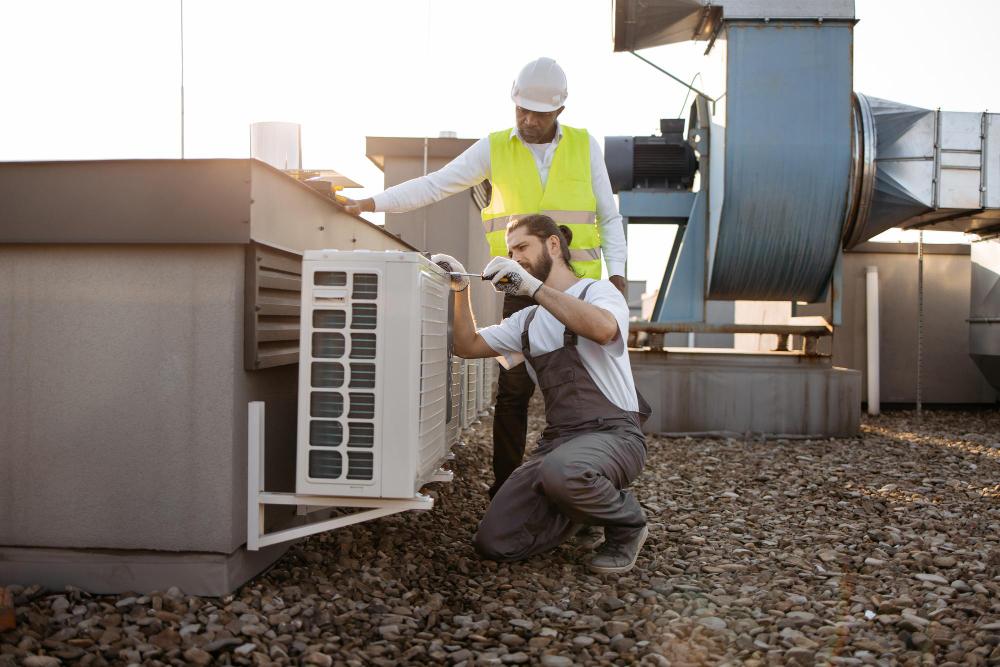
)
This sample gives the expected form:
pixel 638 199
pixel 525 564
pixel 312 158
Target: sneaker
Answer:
pixel 619 555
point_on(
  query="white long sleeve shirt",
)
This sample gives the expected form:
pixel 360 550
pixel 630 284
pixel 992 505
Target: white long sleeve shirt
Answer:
pixel 473 167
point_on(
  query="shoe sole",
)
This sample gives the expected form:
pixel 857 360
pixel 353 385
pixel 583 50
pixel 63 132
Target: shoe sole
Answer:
pixel 623 568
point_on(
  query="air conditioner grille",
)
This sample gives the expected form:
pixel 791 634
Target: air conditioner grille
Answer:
pixel 360 465
pixel 325 464
pixel 362 406
pixel 361 434
pixel 362 346
pixel 330 278
pixel 328 345
pixel 329 375
pixel 433 399
pixel 365 286
pixel 326 404
pixel 364 316
pixel 326 433
pixel 363 376
pixel 329 319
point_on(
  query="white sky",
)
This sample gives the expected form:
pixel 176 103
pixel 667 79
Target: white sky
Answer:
pixel 101 79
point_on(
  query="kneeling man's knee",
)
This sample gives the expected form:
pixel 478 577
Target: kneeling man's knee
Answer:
pixel 562 480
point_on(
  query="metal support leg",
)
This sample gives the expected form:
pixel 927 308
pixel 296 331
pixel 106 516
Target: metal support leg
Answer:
pixel 255 474
pixel 258 498
pixel 809 346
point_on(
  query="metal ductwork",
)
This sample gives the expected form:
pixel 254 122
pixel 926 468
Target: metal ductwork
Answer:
pixel 795 167
pixel 918 167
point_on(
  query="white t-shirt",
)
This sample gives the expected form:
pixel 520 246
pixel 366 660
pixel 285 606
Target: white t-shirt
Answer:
pixel 608 365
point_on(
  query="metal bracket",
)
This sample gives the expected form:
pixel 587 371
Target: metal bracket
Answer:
pixel 442 475
pixel 258 498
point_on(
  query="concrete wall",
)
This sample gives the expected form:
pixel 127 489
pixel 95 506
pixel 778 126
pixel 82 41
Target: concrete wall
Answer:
pixel 735 393
pixel 292 215
pixel 122 405
pixel 123 390
pixel 452 226
pixel 949 374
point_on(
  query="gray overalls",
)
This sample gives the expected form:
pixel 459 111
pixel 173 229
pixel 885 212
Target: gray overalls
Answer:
pixel 589 452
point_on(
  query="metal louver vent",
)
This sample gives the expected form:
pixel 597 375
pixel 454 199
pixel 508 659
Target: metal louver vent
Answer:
pixel 362 406
pixel 330 278
pixel 329 319
pixel 328 375
pixel 364 316
pixel 326 434
pixel 328 345
pixel 362 376
pixel 326 404
pixel 272 295
pixel 365 286
pixel 360 434
pixel 362 346
pixel 325 464
pixel 360 465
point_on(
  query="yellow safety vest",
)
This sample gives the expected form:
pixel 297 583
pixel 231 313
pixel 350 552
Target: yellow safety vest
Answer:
pixel 568 197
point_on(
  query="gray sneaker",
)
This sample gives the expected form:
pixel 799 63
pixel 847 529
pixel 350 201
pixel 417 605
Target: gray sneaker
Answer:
pixel 619 554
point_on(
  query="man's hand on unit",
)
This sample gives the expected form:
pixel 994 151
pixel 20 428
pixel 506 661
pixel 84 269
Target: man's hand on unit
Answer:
pixel 454 267
pixel 356 206
pixel 510 277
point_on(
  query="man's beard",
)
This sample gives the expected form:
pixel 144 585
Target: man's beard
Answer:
pixel 542 268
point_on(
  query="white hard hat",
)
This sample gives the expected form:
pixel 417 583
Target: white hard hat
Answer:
pixel 541 86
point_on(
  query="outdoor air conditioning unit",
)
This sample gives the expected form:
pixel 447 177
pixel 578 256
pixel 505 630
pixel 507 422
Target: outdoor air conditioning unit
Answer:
pixel 490 374
pixel 481 399
pixel 373 374
pixel 455 396
pixel 470 392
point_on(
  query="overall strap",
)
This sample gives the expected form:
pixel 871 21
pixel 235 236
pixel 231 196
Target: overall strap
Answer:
pixel 525 344
pixel 569 338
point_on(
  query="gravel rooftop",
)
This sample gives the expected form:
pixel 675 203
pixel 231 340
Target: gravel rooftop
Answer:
pixel 882 549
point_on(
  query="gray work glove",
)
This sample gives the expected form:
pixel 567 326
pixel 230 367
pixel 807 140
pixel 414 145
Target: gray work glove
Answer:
pixel 511 278
pixel 452 265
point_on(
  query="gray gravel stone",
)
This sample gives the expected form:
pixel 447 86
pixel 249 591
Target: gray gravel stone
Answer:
pixel 712 623
pixel 40 661
pixel 882 549
pixel 556 661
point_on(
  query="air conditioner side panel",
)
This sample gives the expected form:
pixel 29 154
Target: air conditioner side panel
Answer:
pixel 401 390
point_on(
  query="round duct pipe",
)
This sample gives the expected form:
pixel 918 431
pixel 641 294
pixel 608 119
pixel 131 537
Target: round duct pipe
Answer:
pixel 893 172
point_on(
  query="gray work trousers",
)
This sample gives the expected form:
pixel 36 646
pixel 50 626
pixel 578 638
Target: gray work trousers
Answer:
pixel 577 479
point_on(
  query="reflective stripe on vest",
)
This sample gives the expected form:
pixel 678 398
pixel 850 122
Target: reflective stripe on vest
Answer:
pixel 568 197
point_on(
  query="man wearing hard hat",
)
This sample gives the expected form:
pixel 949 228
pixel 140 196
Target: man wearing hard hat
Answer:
pixel 539 166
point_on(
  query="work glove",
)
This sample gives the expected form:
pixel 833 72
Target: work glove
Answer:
pixel 510 277
pixel 356 206
pixel 452 265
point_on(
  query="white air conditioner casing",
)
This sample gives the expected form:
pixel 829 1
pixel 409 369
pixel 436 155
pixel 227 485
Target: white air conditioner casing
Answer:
pixel 490 374
pixel 470 391
pixel 373 374
pixel 455 423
